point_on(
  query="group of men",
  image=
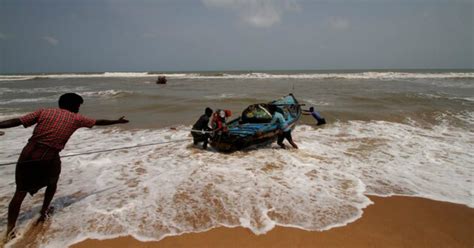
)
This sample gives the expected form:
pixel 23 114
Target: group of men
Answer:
pixel 39 164
pixel 201 130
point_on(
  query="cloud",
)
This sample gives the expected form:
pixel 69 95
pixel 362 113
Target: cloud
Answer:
pixel 339 23
pixel 257 13
pixel 50 40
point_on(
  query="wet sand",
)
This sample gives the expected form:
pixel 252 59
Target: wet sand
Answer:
pixel 389 222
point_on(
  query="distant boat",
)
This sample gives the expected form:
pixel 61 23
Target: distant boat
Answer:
pixel 253 128
pixel 161 80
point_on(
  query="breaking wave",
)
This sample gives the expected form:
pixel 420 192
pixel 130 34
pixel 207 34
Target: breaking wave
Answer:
pixel 106 93
pixel 256 75
pixel 225 96
pixel 29 100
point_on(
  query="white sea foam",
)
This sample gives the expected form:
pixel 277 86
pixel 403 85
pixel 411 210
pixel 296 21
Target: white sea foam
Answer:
pixel 316 102
pixel 256 75
pixel 61 88
pixel 154 191
pixel 440 96
pixel 96 75
pixel 105 93
pixel 467 117
pixel 468 99
pixel 14 78
pixel 124 74
pixel 29 100
pixel 8 115
pixel 225 96
pixel 55 97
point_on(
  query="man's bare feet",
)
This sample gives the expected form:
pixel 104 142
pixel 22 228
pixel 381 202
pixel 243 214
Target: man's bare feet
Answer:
pixel 45 215
pixel 10 235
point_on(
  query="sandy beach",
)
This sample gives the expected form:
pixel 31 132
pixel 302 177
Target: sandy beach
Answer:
pixel 389 222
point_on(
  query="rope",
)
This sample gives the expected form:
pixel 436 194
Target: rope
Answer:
pixel 197 131
pixel 107 150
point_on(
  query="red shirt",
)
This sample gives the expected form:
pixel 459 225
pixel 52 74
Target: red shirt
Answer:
pixel 55 126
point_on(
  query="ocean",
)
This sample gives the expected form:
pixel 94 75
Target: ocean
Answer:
pixel 406 132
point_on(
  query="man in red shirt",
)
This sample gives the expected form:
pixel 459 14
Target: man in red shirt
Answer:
pixel 39 164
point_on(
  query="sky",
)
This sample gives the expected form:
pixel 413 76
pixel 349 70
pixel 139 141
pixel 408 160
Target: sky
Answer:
pixel 212 35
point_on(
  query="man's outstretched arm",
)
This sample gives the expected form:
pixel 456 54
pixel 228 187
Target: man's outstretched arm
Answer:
pixel 10 123
pixel 121 120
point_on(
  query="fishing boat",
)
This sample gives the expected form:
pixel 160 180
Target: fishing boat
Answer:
pixel 253 127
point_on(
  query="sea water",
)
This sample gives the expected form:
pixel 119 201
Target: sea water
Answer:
pixel 407 133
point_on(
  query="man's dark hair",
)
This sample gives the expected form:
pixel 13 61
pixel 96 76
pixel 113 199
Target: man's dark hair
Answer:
pixel 208 111
pixel 70 101
pixel 311 109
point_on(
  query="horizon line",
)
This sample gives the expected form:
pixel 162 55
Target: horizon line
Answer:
pixel 241 70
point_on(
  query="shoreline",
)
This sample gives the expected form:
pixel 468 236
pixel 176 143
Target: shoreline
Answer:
pixel 396 221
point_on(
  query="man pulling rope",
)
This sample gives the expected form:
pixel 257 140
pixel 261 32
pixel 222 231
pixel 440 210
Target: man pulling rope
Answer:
pixel 39 164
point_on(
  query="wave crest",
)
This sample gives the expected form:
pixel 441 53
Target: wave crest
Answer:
pixel 255 75
pixel 106 93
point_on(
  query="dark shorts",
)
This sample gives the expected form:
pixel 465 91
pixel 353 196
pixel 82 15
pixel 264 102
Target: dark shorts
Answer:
pixel 284 135
pixel 37 167
pixel 199 137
